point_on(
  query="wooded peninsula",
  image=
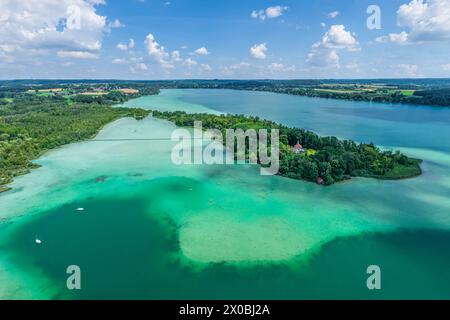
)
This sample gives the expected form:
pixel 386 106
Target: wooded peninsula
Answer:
pixel 39 115
pixel 306 156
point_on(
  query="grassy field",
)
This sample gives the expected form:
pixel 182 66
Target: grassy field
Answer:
pixel 364 90
pixel 408 93
pixel 404 172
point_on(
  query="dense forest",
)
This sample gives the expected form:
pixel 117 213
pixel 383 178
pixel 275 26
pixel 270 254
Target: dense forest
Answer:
pixel 433 92
pixel 324 160
pixel 31 124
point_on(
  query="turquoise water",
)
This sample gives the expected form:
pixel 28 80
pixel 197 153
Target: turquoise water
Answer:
pixel 153 230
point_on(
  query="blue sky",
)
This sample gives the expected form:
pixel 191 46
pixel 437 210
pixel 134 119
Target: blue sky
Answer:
pixel 160 39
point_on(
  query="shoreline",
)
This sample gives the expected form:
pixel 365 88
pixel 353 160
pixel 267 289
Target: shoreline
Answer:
pixel 407 168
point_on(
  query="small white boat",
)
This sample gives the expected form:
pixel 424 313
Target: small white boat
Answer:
pixel 38 241
pixel 79 209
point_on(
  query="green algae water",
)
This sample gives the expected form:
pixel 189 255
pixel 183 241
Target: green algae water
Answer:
pixel 154 230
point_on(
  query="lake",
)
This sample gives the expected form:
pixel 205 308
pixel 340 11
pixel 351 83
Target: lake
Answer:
pixel 154 230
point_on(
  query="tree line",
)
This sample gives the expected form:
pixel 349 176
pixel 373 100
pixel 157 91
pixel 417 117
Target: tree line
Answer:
pixel 330 160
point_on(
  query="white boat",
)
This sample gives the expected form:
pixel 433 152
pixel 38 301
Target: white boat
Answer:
pixel 79 209
pixel 38 241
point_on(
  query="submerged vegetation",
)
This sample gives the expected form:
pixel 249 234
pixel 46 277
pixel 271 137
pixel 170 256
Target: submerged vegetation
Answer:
pixel 305 155
pixel 32 124
pixel 38 115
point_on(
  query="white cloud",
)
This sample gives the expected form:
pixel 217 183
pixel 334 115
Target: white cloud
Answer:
pixel 77 54
pixel 190 62
pixel 49 27
pixel 269 13
pixel 324 54
pixel 176 56
pixel 338 38
pixel 122 46
pixel 276 66
pixel 333 14
pixel 119 61
pixel 202 51
pixel 126 46
pixel 279 67
pixel 115 24
pixel 446 67
pixel 427 20
pixel 400 38
pixel 136 59
pixel 323 24
pixel 408 70
pixel 138 67
pixel 206 67
pixel 323 58
pixel 275 12
pixel 157 52
pixel 141 66
pixel 258 51
pixel 258 14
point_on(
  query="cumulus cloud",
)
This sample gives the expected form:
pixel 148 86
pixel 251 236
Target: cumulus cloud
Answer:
pixel 117 24
pixel 190 62
pixel 339 38
pixel 126 46
pixel 170 60
pixel 269 13
pixel 258 51
pixel 426 20
pixel 69 28
pixel 325 52
pixel 176 56
pixel 114 25
pixel 157 52
pixel 333 14
pixel 202 51
pixel 400 38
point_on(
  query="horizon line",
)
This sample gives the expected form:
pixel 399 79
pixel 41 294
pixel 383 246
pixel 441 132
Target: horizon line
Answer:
pixel 219 79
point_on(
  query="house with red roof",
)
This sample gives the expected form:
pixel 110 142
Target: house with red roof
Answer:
pixel 298 148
